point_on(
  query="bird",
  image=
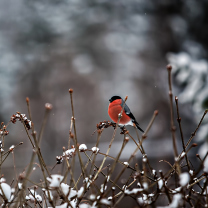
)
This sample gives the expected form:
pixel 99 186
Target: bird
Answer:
pixel 115 107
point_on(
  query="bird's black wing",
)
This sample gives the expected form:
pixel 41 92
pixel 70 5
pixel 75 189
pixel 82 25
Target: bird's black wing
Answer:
pixel 128 112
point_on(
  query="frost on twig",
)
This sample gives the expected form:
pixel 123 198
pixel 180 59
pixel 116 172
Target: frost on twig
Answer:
pixel 22 118
pixel 82 147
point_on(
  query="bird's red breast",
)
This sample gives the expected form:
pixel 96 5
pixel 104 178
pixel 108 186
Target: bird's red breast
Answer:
pixel 114 109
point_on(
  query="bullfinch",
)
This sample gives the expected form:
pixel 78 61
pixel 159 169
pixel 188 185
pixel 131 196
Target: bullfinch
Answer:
pixel 115 107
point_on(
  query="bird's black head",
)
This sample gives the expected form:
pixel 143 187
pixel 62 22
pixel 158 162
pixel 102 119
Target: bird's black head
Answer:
pixel 115 97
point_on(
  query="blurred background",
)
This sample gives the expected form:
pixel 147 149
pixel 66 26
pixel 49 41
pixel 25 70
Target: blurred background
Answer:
pixel 101 48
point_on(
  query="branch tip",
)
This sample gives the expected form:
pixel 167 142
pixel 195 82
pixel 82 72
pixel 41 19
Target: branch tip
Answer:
pixel 48 106
pixel 27 99
pixel 169 67
pixel 70 90
pixel 156 112
pixel 194 145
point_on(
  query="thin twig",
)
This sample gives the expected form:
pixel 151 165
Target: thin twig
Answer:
pixel 75 134
pixel 48 107
pixel 95 155
pixel 173 128
pixel 181 132
pixel 194 133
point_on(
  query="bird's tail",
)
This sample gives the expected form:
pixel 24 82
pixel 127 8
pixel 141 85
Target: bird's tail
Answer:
pixel 137 125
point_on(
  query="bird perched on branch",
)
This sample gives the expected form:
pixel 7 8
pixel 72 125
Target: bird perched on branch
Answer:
pixel 114 109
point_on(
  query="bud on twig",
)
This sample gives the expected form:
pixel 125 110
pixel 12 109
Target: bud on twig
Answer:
pixel 70 90
pixel 48 106
pixel 169 67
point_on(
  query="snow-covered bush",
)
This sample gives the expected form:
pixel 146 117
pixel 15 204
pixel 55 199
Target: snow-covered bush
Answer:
pixel 97 184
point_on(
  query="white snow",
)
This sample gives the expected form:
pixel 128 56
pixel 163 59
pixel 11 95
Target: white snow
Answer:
pixel 145 185
pixel 46 193
pixel 126 164
pixel 110 198
pixel 133 191
pixel 20 185
pixel 183 154
pixel 140 201
pixel 11 148
pixel 2 180
pixel 80 192
pixel 184 179
pixel 13 190
pixel 30 123
pixel 27 198
pixel 191 172
pixel 55 180
pixel 7 191
pixel 92 197
pixel 160 183
pixel 176 190
pixel 103 188
pixel 206 190
pixel 38 198
pixel 69 152
pixel 105 201
pixel 65 188
pixel 88 181
pixel 124 187
pixel 95 150
pixel 33 196
pixel 82 147
pixel 72 194
pixel 154 172
pixel 145 199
